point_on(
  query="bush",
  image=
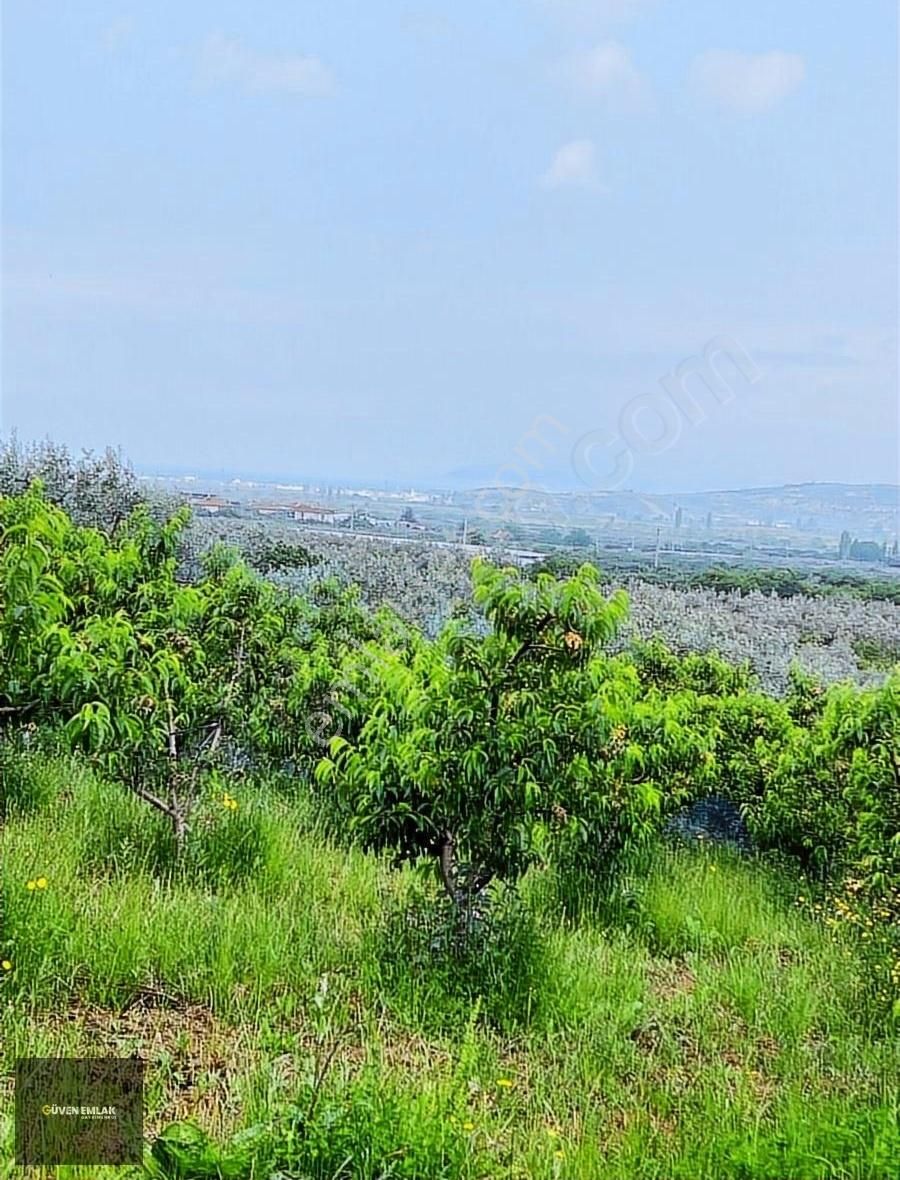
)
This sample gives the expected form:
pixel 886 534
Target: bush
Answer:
pixel 433 964
pixel 751 731
pixel 659 667
pixel 880 655
pixel 833 793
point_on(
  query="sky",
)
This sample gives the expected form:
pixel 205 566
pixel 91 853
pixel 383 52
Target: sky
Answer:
pixel 446 244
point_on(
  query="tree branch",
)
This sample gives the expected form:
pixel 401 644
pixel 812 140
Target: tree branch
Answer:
pixel 211 741
pixel 12 710
pixel 156 802
pixel 171 733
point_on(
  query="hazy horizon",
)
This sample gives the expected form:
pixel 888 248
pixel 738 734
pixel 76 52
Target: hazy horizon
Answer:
pixel 388 242
pixel 286 479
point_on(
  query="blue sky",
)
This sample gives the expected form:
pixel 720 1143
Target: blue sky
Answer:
pixel 382 241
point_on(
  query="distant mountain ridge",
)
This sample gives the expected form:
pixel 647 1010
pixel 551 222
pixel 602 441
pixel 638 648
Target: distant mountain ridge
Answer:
pixel 833 486
pixel 865 510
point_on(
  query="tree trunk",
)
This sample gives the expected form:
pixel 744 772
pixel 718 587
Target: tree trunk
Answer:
pixel 462 896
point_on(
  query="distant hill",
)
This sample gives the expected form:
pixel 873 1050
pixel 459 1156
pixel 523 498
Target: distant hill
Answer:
pixel 823 510
pixel 865 510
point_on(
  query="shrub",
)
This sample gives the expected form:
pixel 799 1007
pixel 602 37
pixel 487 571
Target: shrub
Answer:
pixel 439 967
pixel 658 666
pixel 834 794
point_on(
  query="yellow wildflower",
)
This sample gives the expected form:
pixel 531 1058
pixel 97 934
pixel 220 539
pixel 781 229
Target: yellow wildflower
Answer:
pixel 41 883
pixel 6 965
pixel 506 1083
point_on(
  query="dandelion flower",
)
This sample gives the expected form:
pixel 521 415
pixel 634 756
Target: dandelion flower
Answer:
pixel 41 883
pixel 6 965
pixel 31 885
pixel 506 1083
pixel 468 1126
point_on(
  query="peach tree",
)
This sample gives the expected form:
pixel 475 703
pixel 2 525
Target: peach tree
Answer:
pixel 492 748
pixel 156 679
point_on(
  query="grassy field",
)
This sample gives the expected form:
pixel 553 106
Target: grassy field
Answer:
pixel 693 1021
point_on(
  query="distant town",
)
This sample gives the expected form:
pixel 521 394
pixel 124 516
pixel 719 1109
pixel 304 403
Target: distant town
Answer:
pixel 822 521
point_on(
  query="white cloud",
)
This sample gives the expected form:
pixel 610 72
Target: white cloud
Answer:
pixel 227 61
pixel 748 83
pixel 607 72
pixel 573 166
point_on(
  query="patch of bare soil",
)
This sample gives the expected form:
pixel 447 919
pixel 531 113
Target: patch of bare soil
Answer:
pixel 192 1056
pixel 670 978
pixel 195 1061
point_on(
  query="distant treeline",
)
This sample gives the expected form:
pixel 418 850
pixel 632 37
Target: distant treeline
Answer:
pixel 783 581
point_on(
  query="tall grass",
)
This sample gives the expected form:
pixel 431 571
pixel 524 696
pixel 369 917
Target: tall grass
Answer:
pixel 688 1021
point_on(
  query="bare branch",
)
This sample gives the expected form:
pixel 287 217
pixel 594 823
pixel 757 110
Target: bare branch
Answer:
pixel 156 802
pixel 172 732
